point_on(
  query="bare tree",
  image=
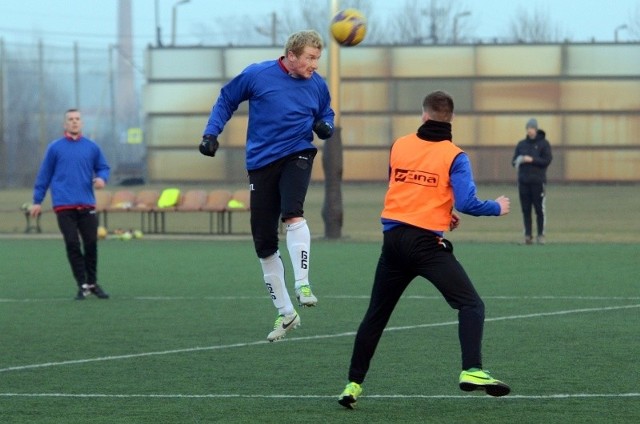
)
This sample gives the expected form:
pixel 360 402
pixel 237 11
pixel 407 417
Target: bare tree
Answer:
pixel 534 26
pixel 34 114
pixel 437 22
pixel 634 23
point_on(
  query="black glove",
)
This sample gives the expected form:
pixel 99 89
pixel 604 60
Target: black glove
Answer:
pixel 209 145
pixel 323 129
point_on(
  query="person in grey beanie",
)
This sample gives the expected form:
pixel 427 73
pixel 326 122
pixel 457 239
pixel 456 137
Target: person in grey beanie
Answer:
pixel 531 159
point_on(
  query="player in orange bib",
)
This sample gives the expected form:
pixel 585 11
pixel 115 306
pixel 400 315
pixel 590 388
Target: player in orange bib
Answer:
pixel 429 177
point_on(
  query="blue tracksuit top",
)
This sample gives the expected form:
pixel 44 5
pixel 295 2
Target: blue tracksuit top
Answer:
pixel 68 169
pixel 282 111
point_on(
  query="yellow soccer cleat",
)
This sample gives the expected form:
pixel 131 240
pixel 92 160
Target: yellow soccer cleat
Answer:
pixel 477 379
pixel 350 395
pixel 305 296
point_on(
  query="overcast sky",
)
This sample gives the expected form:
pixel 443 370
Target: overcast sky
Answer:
pixel 94 22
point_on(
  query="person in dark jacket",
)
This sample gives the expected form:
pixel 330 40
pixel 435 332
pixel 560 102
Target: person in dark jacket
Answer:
pixel 531 158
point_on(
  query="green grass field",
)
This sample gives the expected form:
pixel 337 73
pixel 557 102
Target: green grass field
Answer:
pixel 183 337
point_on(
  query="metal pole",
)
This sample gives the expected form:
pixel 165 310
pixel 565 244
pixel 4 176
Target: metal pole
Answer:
pixel 76 74
pixel 173 25
pixel 274 26
pixel 158 31
pixel 334 70
pixel 112 95
pixel 41 96
pixel 618 29
pixel 455 24
pixel 174 19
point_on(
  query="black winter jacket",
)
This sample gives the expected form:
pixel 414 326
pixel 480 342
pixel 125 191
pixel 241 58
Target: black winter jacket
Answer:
pixel 540 150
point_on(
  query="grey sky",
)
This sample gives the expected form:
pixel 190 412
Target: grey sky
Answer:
pixel 94 22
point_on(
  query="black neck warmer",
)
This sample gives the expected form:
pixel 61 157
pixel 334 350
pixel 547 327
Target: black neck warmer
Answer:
pixel 435 131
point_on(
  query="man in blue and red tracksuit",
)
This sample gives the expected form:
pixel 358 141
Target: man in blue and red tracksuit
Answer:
pixel 72 167
pixel 288 102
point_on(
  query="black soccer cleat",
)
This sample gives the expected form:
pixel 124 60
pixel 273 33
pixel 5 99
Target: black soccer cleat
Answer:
pixel 97 290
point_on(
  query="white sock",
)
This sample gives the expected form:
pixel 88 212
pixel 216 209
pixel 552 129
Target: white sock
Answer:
pixel 298 243
pixel 273 273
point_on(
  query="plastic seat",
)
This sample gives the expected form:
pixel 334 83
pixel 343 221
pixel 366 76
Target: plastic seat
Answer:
pixel 240 202
pixel 121 201
pixel 103 199
pixel 216 205
pixel 192 201
pixel 145 203
pixel 167 202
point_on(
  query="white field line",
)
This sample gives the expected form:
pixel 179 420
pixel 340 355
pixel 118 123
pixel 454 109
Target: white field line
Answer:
pixel 343 297
pixel 297 339
pixel 233 396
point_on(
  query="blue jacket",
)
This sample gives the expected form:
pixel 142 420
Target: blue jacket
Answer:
pixel 68 169
pixel 282 111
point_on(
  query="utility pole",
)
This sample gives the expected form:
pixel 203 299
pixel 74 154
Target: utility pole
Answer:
pixel 126 110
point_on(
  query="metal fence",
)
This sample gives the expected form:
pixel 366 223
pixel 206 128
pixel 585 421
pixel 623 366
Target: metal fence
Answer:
pixel 39 82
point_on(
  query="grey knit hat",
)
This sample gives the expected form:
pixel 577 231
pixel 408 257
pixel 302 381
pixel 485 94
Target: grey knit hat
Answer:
pixel 532 123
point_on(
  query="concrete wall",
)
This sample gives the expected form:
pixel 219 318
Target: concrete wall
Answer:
pixel 585 96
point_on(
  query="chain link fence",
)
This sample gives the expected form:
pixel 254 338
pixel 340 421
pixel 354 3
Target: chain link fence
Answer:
pixel 39 82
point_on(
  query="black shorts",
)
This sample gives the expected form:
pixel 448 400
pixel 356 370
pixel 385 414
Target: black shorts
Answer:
pixel 278 192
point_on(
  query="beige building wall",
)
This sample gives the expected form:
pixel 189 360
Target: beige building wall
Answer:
pixel 585 96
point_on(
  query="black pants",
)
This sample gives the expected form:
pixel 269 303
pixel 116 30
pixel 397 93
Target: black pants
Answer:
pixel 408 252
pixel 532 195
pixel 76 225
pixel 278 191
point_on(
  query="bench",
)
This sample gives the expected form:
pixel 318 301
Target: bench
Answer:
pixel 219 204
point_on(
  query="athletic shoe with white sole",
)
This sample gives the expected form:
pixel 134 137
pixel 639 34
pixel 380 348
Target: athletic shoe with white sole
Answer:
pixel 350 394
pixel 283 324
pixel 477 379
pixel 83 292
pixel 305 296
pixel 97 290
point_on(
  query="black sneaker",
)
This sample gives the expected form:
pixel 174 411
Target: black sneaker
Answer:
pixel 83 292
pixel 97 290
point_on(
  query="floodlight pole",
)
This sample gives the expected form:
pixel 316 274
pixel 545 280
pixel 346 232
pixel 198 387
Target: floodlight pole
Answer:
pixel 158 30
pixel 618 29
pixel 174 19
pixel 455 24
pixel 334 68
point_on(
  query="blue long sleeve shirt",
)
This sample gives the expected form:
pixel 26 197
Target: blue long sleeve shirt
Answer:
pixel 465 192
pixel 68 169
pixel 282 111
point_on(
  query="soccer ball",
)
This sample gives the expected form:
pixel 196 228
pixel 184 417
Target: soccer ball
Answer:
pixel 348 27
